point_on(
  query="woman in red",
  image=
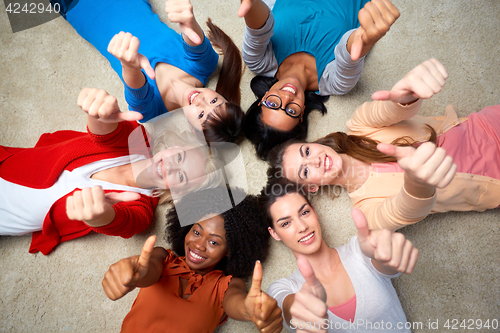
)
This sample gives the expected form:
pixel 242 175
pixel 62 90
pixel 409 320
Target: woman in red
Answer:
pixel 72 183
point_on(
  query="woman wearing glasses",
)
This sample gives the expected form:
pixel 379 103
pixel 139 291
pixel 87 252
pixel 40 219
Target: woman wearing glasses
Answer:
pixel 432 164
pixel 304 52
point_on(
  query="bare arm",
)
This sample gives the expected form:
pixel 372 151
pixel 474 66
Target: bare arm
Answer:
pixel 255 13
pixel 181 11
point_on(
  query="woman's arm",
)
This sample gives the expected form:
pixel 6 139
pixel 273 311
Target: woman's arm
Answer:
pixel 125 47
pixel 401 102
pixel 137 271
pixel 181 11
pixel 257 51
pixel 391 252
pixel 375 19
pixel 308 305
pixel 103 113
pixel 255 305
pixel 425 169
pixel 94 207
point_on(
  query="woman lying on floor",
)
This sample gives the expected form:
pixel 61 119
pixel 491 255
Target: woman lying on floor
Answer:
pixel 335 287
pixel 72 183
pixel 298 49
pixel 176 68
pixel 398 166
pixel 197 284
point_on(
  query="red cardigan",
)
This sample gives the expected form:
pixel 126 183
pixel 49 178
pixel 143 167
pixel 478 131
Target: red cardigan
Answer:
pixel 40 167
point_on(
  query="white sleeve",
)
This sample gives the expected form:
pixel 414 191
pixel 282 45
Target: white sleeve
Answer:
pixel 356 250
pixel 257 50
pixel 341 74
pixel 280 289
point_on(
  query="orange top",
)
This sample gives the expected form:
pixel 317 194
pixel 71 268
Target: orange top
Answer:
pixel 159 308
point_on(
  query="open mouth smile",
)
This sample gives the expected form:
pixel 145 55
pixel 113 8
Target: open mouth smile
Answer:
pixel 192 96
pixel 308 239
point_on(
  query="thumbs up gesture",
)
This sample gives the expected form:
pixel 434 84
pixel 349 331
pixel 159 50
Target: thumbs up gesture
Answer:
pixel 122 277
pixel 309 305
pixel 375 19
pixel 94 207
pixel 181 11
pixel 391 252
pixel 265 312
pixel 426 167
pixel 423 81
pixel 102 106
pixel 125 47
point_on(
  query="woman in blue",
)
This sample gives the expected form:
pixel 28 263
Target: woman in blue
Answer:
pixel 303 52
pixel 134 40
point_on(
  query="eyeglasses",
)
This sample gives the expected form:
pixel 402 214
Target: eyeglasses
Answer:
pixel 291 109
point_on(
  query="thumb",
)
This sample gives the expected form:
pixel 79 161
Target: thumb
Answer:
pixel 361 224
pixel 244 8
pixel 357 44
pixel 115 197
pixel 390 95
pixel 255 289
pixel 395 151
pixel 146 65
pixel 192 35
pixel 143 261
pixel 308 273
pixel 122 116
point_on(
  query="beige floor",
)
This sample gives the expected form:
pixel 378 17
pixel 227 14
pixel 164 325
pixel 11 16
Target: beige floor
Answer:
pixel 43 69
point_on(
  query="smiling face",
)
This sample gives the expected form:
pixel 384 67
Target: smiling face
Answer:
pixel 289 90
pixel 175 168
pixel 205 102
pixel 205 245
pixel 312 164
pixel 295 223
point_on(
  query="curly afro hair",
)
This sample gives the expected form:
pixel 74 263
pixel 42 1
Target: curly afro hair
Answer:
pixel 246 232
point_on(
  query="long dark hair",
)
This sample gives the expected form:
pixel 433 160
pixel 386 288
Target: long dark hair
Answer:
pixel 246 232
pixel 264 137
pixel 227 127
pixel 359 147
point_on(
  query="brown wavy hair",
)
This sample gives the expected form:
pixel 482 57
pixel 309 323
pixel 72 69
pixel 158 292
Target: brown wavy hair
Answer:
pixel 359 147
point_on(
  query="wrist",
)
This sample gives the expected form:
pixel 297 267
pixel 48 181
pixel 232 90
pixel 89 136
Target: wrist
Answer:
pixel 418 188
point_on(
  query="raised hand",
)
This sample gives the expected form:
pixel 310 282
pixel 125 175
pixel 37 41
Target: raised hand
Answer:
pixel 265 312
pixel 125 47
pixel 424 81
pixel 245 7
pixel 181 11
pixel 122 277
pixel 392 250
pixel 94 207
pixel 309 305
pixel 375 19
pixel 104 107
pixel 426 165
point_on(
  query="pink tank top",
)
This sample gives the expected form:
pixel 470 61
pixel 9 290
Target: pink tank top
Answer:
pixel 345 310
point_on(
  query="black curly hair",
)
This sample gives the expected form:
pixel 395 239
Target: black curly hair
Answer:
pixel 246 232
pixel 264 137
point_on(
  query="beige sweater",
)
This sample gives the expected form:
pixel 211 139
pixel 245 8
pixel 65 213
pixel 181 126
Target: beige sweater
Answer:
pixel 382 197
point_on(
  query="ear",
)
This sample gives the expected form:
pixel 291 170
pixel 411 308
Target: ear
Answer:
pixel 313 188
pixel 274 234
